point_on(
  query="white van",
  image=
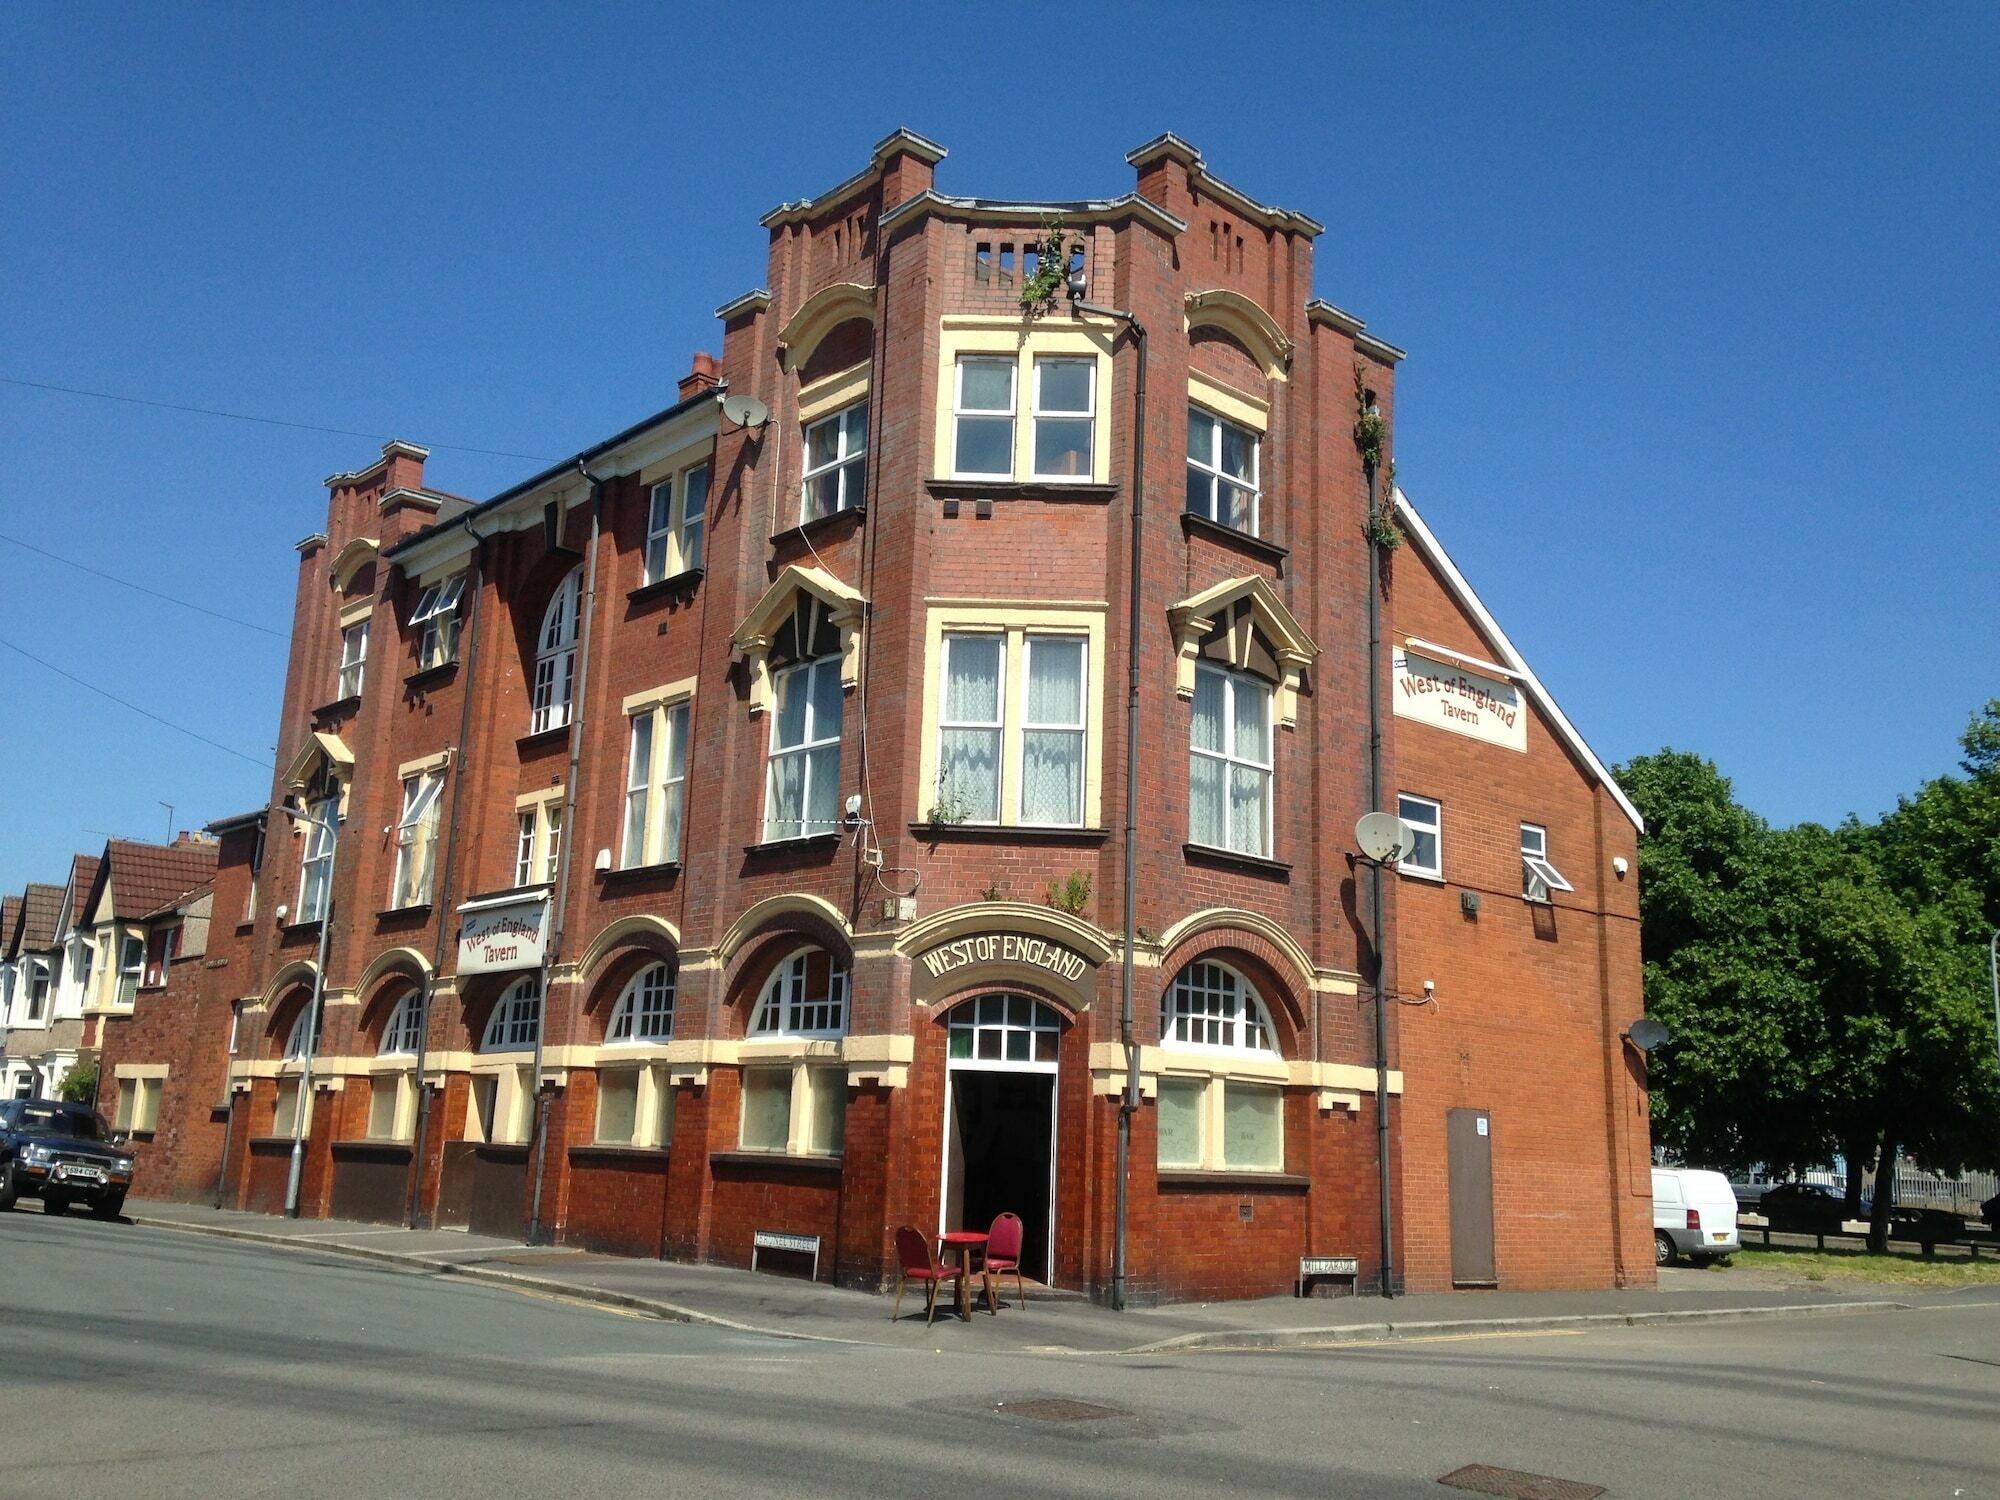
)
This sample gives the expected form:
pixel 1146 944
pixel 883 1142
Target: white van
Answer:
pixel 1694 1214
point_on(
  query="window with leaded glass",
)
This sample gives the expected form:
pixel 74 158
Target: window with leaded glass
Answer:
pixel 645 1009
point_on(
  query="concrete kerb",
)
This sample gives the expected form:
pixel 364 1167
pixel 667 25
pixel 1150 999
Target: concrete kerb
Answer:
pixel 1353 1333
pixel 1218 1340
pixel 515 1280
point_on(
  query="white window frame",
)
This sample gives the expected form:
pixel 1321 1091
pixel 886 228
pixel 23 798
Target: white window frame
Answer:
pixel 353 660
pixel 437 618
pixel 849 463
pixel 131 969
pixel 776 829
pixel 402 1033
pixel 1430 820
pixel 675 539
pixel 1217 477
pixel 552 686
pixel 1087 416
pixel 295 1036
pixel 1246 1057
pixel 960 410
pixel 417 839
pixel 1234 681
pixel 39 985
pixel 782 1003
pixel 316 860
pixel 1214 997
pixel 1540 880
pixel 628 1026
pixel 516 1018
pixel 538 841
pixel 997 727
pixel 655 815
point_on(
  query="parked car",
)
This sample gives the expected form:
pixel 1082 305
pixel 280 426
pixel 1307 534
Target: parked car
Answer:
pixel 1694 1214
pixel 1990 1211
pixel 63 1154
pixel 1807 1208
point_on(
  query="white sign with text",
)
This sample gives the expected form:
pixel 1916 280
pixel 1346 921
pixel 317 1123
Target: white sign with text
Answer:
pixel 1459 699
pixel 495 936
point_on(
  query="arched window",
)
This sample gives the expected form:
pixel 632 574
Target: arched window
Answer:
pixel 295 1039
pixel 645 1011
pixel 1211 1005
pixel 405 1028
pixel 806 996
pixel 555 656
pixel 517 1018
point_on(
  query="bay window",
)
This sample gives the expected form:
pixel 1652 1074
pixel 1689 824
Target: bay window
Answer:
pixel 983 413
pixel 1229 778
pixel 836 463
pixel 1222 482
pixel 131 965
pixel 1065 416
pixel 802 793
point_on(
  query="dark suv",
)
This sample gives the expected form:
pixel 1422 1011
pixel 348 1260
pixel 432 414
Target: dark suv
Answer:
pixel 62 1154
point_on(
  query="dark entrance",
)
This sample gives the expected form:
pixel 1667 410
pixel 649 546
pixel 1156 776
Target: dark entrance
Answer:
pixel 1469 1167
pixel 1001 1128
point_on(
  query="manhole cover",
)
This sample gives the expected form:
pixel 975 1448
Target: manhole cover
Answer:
pixel 1484 1479
pixel 1061 1409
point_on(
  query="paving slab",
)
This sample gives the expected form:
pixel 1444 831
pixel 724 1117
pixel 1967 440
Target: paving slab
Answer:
pixel 792 1307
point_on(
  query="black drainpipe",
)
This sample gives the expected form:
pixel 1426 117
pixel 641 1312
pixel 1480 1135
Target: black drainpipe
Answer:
pixel 1375 874
pixel 1129 1105
pixel 474 586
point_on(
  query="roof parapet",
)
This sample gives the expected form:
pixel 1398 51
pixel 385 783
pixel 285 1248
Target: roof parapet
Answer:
pixel 1074 211
pixel 900 140
pixel 1267 215
pixel 1327 315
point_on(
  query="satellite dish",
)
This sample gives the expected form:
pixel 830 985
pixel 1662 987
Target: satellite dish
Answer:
pixel 746 411
pixel 1646 1034
pixel 1383 837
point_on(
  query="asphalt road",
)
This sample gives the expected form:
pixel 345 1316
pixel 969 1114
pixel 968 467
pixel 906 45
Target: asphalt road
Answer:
pixel 145 1362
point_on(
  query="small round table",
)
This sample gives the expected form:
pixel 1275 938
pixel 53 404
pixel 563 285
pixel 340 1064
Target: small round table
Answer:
pixel 964 1241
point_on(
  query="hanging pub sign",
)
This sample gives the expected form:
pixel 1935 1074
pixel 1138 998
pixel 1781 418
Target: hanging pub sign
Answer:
pixel 502 933
pixel 1455 697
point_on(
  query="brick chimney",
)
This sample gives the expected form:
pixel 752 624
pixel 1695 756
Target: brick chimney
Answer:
pixel 701 378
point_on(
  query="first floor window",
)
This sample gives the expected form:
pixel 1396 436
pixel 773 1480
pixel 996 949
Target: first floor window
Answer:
pixel 538 844
pixel 353 658
pixel 38 987
pixel 516 1019
pixel 131 963
pixel 999 722
pixel 316 875
pixel 1219 1124
pixel 803 794
pixel 645 1009
pixel 1539 879
pixel 836 466
pixel 436 620
pixel 416 838
pixel 1425 818
pixel 1222 471
pixel 969 728
pixel 655 786
pixel 1229 779
pixel 806 995
pixel 794 1108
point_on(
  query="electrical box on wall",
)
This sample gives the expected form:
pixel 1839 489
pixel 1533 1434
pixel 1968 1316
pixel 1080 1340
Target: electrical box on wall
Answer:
pixel 1468 902
pixel 899 908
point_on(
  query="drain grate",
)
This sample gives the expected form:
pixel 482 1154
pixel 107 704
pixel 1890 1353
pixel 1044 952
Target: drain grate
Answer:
pixel 1061 1409
pixel 1484 1479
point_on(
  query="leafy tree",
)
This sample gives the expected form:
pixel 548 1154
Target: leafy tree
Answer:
pixel 79 1085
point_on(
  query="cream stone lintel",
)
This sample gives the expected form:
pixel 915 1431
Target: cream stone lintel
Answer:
pixel 139 1070
pixel 535 799
pixel 832 393
pixel 687 456
pixel 1245 410
pixel 672 692
pixel 423 765
pixel 356 612
pixel 1021 338
pixel 1339 1085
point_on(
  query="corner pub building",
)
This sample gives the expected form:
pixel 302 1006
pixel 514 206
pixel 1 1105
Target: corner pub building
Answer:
pixel 731 819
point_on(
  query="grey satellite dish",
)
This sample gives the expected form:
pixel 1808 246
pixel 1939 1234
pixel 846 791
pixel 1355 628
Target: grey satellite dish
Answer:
pixel 746 411
pixel 1383 837
pixel 1646 1034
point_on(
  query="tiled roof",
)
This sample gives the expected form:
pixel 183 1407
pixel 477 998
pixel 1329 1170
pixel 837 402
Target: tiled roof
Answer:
pixel 148 878
pixel 41 907
pixel 180 901
pixel 82 877
pixel 10 922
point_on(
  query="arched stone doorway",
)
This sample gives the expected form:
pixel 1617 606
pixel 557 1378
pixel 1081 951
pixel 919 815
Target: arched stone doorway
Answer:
pixel 1000 1120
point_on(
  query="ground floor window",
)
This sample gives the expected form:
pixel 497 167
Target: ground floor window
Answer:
pixel 497 1112
pixel 392 1106
pixel 795 1109
pixel 635 1107
pixel 285 1114
pixel 1220 1124
pixel 138 1104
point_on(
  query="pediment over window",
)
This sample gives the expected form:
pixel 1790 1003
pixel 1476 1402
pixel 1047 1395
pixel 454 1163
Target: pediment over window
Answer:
pixel 1242 623
pixel 323 768
pixel 1246 322
pixel 821 313
pixel 806 613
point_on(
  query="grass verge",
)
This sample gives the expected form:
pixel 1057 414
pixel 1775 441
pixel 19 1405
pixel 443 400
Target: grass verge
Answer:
pixel 1896 1268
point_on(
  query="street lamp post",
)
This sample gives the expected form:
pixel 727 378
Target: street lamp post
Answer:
pixel 313 1016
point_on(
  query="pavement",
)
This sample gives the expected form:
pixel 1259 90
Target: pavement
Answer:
pixel 138 1360
pixel 792 1307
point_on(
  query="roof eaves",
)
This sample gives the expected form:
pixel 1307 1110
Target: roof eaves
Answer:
pixel 1508 655
pixel 1268 215
pixel 1319 310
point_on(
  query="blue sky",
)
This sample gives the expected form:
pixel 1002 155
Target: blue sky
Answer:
pixel 1700 305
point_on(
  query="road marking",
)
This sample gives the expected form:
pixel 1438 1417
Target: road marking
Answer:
pixel 1454 1338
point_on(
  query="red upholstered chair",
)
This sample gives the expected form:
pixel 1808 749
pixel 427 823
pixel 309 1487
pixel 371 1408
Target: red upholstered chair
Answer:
pixel 1003 1254
pixel 917 1262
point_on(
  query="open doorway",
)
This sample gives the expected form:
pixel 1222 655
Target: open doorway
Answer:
pixel 1000 1119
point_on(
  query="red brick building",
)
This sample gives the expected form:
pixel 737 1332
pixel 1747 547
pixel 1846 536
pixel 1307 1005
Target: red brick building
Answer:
pixel 732 820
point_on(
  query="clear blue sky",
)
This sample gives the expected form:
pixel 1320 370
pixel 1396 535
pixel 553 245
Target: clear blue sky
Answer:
pixel 1700 310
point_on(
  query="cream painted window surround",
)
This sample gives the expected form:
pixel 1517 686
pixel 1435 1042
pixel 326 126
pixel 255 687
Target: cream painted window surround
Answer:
pixel 1019 342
